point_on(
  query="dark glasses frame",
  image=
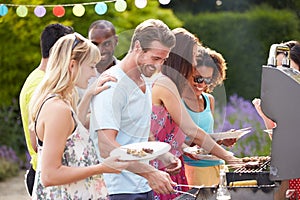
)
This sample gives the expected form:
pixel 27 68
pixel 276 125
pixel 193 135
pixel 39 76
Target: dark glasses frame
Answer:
pixel 200 79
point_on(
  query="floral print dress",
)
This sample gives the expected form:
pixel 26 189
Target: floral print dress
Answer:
pixel 166 130
pixel 79 152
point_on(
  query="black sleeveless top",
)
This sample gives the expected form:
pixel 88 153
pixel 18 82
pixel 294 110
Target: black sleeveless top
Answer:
pixel 40 142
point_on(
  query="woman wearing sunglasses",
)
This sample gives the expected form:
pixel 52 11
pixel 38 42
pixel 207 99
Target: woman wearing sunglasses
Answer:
pixel 170 121
pixel 209 72
pixel 68 167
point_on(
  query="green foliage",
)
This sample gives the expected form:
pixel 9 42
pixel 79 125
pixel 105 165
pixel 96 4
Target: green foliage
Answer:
pixel 8 169
pixel 196 6
pixel 9 162
pixel 244 40
pixel 19 37
pixel 11 132
pixel 20 50
pixel 20 53
pixel 240 113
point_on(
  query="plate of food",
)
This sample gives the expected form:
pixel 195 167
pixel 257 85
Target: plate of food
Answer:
pixel 231 134
pixel 200 153
pixel 141 150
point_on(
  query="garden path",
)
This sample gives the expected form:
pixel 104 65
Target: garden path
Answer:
pixel 14 188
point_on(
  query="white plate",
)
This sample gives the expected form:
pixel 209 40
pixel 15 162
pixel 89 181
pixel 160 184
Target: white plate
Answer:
pixel 159 148
pixel 230 134
pixel 200 153
pixel 269 131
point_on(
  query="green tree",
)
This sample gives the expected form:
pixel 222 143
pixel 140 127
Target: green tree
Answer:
pixel 19 37
pixel 196 6
pixel 20 50
pixel 244 40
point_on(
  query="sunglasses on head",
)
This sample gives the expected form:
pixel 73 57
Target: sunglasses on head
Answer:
pixel 76 41
pixel 200 79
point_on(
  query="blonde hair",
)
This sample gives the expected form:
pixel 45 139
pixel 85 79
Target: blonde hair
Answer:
pixel 58 79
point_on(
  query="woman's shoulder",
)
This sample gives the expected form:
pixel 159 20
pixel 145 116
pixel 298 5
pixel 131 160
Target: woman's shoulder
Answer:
pixel 60 106
pixel 210 99
pixel 164 90
pixel 163 80
pixel 56 113
pixel 208 96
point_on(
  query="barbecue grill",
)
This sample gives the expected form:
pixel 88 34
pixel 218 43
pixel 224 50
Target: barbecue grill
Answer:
pixel 280 102
pixel 280 94
pixel 264 190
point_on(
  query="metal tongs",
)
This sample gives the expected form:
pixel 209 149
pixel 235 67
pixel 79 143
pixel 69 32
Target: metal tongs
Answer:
pixel 190 186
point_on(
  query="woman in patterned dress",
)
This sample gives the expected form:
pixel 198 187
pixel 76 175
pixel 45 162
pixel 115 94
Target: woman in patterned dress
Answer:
pixel 170 122
pixel 67 162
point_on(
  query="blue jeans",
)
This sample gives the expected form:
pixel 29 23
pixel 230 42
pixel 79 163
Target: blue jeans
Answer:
pixel 138 196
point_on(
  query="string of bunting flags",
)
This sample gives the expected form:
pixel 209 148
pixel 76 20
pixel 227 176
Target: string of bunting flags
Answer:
pixel 78 8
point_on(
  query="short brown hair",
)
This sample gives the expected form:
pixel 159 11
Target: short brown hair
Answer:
pixel 153 30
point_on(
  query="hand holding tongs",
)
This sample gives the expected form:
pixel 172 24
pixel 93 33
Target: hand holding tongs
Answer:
pixel 187 193
pixel 190 186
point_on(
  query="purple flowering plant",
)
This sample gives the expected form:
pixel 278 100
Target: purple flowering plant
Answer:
pixel 12 142
pixel 240 113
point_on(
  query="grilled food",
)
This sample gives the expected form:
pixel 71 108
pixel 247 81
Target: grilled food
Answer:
pixel 139 153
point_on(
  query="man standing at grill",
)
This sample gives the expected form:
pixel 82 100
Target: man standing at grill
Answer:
pixel 121 114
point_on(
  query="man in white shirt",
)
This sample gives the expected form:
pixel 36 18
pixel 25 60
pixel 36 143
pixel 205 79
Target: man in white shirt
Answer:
pixel 121 114
pixel 103 34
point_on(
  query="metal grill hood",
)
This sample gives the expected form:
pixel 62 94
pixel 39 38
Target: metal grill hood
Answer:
pixel 280 101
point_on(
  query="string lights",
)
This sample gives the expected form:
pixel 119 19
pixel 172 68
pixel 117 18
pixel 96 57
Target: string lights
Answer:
pixel 78 9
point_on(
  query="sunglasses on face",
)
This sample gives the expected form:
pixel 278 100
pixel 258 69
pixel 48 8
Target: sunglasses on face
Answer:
pixel 200 79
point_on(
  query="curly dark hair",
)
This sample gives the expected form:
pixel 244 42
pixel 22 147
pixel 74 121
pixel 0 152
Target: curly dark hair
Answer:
pixel 210 58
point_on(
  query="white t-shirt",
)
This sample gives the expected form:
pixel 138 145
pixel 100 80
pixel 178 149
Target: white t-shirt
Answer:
pixel 125 108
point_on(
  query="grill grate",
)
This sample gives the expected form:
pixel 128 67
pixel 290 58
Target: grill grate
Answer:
pixel 260 167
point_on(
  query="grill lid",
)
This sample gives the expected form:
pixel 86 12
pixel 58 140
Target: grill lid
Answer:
pixel 280 94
